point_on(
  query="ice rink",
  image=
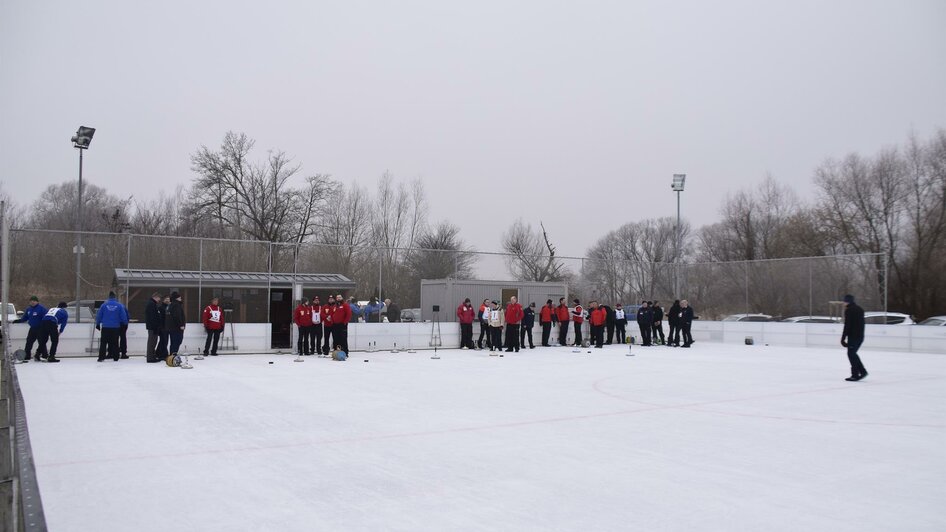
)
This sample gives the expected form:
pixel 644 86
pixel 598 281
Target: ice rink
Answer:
pixel 717 437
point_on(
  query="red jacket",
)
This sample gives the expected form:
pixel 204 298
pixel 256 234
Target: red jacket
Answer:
pixel 213 317
pixel 327 311
pixel 302 316
pixel 342 314
pixel 513 314
pixel 562 312
pixel 545 315
pixel 599 316
pixel 465 313
pixel 576 315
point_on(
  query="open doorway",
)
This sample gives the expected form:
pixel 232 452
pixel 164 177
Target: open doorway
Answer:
pixel 280 317
pixel 508 293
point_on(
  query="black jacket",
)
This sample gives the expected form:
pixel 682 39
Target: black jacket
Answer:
pixel 853 323
pixel 658 313
pixel 153 319
pixel 609 318
pixel 175 318
pixel 673 315
pixel 686 317
pixel 393 312
pixel 528 317
pixel 645 316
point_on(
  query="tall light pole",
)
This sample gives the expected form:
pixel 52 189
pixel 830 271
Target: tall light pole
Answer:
pixel 677 186
pixel 80 141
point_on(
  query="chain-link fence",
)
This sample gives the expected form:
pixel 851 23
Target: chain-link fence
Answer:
pixel 44 264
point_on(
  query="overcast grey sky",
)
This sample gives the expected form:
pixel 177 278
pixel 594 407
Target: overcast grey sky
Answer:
pixel 546 110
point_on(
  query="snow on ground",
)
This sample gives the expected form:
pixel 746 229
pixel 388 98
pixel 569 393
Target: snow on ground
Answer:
pixel 717 437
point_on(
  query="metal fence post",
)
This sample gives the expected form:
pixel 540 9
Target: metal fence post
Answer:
pixel 200 272
pixel 747 287
pixel 269 294
pixel 128 278
pixel 811 296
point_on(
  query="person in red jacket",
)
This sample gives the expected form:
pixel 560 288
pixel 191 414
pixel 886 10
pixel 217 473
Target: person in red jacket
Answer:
pixel 562 313
pixel 302 317
pixel 212 319
pixel 341 317
pixel 546 318
pixel 514 316
pixel 328 324
pixel 315 336
pixel 578 316
pixel 599 317
pixel 465 315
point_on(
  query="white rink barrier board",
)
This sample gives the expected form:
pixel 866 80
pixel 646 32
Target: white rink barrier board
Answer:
pixel 908 338
pixel 78 339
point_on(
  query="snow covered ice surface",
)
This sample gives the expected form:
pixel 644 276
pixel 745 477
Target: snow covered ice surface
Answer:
pixel 717 437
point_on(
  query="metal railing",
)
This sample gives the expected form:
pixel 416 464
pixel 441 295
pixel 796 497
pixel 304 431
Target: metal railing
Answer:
pixel 779 287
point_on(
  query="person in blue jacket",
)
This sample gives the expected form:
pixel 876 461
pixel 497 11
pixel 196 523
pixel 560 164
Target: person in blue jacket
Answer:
pixel 34 316
pixel 373 310
pixel 110 318
pixel 54 322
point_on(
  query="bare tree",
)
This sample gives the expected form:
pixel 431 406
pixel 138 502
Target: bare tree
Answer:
pixel 441 254
pixel 634 261
pixel 56 208
pixel 256 198
pixel 532 254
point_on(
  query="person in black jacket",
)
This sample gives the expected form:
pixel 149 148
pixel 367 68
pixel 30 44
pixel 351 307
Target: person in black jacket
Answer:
pixel 608 324
pixel 853 337
pixel 175 321
pixel 528 322
pixel 645 321
pixel 658 329
pixel 161 351
pixel 686 320
pixel 153 326
pixel 673 320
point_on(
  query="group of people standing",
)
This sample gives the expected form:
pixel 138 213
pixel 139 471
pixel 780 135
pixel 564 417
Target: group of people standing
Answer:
pixel 323 326
pixel 606 323
pixel 494 319
pixel 165 320
pixel 650 317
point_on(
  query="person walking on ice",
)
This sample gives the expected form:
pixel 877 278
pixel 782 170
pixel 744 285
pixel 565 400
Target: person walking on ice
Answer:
pixel 853 336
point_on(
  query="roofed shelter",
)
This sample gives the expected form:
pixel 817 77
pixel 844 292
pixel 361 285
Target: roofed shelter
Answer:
pixel 246 297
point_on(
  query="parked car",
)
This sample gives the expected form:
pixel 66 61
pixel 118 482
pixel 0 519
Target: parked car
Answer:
pixel 748 317
pixel 92 304
pixel 811 319
pixel 938 321
pixel 887 318
pixel 12 314
pixel 85 313
pixel 410 314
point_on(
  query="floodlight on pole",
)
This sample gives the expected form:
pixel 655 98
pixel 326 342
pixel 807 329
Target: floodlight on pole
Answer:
pixel 679 180
pixel 80 141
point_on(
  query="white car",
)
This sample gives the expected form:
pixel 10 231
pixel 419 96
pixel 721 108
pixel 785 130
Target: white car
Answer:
pixel 11 313
pixel 748 317
pixel 937 321
pixel 887 318
pixel 84 312
pixel 811 319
